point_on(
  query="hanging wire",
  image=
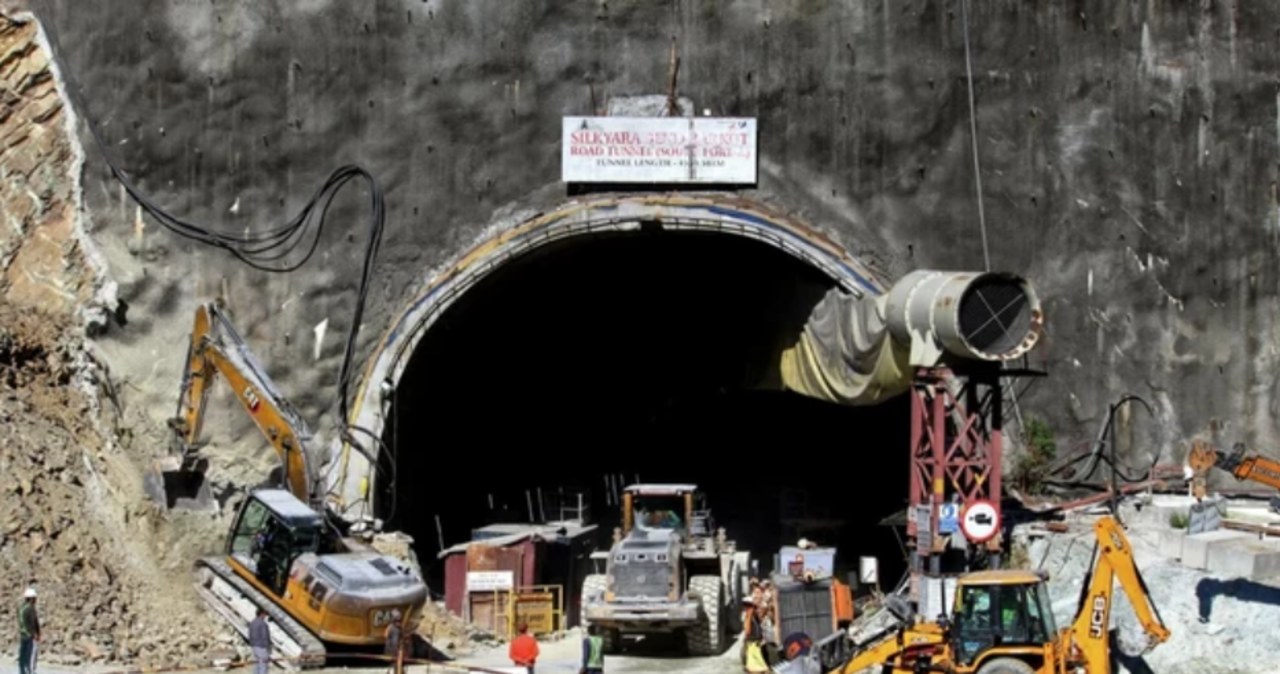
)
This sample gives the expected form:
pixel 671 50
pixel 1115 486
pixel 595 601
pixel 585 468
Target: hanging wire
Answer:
pixel 973 136
pixel 267 250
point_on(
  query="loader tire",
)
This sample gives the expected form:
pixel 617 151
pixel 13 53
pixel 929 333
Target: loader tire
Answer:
pixel 707 636
pixel 1006 666
pixel 594 586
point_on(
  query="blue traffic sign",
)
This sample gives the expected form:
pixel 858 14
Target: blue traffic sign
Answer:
pixel 948 518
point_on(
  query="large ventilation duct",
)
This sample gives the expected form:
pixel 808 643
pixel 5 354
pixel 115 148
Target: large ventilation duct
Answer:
pixel 864 350
pixel 978 316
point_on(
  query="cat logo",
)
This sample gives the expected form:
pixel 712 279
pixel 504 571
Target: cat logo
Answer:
pixel 251 397
pixel 383 616
pixel 1098 617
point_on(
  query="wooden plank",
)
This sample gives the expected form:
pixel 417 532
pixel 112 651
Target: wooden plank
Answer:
pixel 1251 528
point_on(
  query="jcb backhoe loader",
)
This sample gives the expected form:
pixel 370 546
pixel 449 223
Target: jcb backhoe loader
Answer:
pixel 286 551
pixel 1002 623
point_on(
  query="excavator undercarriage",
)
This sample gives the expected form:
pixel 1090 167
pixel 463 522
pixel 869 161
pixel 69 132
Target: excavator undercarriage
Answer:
pixel 231 597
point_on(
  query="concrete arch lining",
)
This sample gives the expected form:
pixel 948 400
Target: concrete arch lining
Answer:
pixel 354 476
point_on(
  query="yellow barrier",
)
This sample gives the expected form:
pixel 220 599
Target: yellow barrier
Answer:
pixel 541 607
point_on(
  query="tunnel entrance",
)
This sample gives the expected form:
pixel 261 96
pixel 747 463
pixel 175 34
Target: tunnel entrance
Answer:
pixel 645 354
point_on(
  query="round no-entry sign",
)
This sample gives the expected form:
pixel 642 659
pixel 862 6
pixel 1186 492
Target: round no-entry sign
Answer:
pixel 980 522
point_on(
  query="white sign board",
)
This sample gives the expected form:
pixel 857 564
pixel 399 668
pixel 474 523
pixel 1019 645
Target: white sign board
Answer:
pixel 707 150
pixel 490 581
pixel 981 521
pixel 868 570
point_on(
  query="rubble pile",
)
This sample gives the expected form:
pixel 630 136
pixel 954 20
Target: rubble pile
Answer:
pixel 65 526
pixel 448 632
pixel 1216 627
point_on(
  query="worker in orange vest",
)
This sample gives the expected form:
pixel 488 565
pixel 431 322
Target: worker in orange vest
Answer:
pixel 524 649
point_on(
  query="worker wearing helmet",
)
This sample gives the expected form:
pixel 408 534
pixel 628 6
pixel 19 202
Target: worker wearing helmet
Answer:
pixel 28 632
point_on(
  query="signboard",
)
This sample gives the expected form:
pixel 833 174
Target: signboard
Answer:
pixel 1204 516
pixel 981 521
pixel 820 562
pixel 490 581
pixel 948 518
pixel 663 150
pixel 868 570
pixel 924 530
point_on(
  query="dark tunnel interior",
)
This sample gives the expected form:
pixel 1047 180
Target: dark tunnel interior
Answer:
pixel 638 354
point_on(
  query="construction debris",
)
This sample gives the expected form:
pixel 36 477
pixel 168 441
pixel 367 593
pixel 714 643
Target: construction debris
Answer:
pixel 70 528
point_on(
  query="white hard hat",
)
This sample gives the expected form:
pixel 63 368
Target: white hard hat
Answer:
pixel 30 593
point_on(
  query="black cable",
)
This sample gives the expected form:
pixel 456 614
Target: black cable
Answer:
pixel 1098 457
pixel 259 250
pixel 394 449
pixel 384 450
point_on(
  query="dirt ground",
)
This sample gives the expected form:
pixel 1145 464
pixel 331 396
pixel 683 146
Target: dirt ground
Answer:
pixel 565 655
pixel 74 525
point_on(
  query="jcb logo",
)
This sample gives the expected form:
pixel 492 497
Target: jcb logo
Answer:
pixel 251 397
pixel 1266 472
pixel 1098 617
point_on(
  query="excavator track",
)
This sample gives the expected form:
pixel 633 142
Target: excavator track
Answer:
pixel 237 601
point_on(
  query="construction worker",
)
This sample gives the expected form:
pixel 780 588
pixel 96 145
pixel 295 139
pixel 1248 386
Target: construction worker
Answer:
pixel 766 607
pixel 28 632
pixel 753 657
pixel 593 651
pixel 524 649
pixel 394 647
pixel 260 642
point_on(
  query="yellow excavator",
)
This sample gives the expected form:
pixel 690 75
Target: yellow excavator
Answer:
pixel 1247 468
pixel 321 585
pixel 1002 623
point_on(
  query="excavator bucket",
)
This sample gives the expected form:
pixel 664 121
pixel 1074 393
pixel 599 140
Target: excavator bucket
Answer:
pixel 177 488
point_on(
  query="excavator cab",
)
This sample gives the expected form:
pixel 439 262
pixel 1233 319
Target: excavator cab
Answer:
pixel 273 529
pixel 1000 609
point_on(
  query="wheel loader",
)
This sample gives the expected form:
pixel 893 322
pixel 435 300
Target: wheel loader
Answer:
pixel 322 587
pixel 669 571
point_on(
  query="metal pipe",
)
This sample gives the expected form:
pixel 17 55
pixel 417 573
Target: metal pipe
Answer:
pixel 990 316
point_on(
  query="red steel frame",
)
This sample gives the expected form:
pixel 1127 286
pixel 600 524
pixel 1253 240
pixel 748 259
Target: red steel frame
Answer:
pixel 956 445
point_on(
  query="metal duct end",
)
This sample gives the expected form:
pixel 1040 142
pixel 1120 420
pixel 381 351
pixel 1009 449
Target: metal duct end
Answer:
pixel 991 316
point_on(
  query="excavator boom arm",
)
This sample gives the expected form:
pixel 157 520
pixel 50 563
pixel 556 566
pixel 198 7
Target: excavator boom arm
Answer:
pixel 217 349
pixel 1259 469
pixel 1090 631
pixel 1250 468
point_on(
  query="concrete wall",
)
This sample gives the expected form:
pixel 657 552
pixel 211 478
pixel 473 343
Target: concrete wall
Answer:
pixel 1129 161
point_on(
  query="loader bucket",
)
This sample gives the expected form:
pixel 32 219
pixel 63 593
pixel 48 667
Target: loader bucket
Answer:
pixel 174 488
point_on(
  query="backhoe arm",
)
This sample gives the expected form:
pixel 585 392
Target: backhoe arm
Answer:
pixel 216 348
pixel 1251 468
pixel 1254 468
pixel 1090 630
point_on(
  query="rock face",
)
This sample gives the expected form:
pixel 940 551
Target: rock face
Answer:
pixel 1128 154
pixel 44 257
pixel 110 585
pixel 1129 158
